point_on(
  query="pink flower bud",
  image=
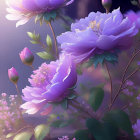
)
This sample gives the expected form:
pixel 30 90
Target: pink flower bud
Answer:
pixel 3 94
pixel 13 75
pixel 26 56
pixel 107 4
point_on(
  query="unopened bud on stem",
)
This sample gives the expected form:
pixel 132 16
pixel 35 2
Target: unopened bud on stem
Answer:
pixel 13 75
pixel 107 5
pixel 26 57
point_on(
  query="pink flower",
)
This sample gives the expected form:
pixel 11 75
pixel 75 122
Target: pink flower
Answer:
pixel 50 83
pixel 3 94
pixel 13 75
pixel 26 56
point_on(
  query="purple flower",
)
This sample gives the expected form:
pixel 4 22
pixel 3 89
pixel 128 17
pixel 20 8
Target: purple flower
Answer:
pixel 136 128
pixel 26 56
pixel 129 83
pixel 13 75
pixel 96 34
pixel 65 138
pixel 50 83
pixel 23 10
pixel 138 63
pixel 134 17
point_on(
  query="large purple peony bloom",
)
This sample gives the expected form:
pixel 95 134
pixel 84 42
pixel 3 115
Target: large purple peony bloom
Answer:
pixel 50 83
pixel 23 10
pixel 134 17
pixel 96 34
pixel 136 128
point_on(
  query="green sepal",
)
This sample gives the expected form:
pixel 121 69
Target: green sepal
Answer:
pixel 49 16
pixel 111 57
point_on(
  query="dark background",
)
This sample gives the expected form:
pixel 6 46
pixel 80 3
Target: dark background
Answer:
pixel 13 40
pixel 95 5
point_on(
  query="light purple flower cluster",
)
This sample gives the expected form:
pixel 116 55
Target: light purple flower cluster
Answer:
pixel 50 83
pixel 136 128
pixel 65 138
pixel 23 10
pixel 96 34
pixel 9 113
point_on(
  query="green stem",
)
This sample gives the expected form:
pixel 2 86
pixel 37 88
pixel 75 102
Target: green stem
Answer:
pixel 55 41
pixel 111 85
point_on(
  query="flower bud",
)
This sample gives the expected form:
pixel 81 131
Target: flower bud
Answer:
pixel 3 94
pixel 13 75
pixel 26 56
pixel 107 4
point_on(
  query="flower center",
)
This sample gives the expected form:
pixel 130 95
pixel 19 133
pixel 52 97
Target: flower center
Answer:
pixel 95 27
pixel 42 77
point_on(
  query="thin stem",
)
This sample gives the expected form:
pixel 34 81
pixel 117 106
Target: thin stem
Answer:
pixel 20 102
pixel 134 72
pixel 56 47
pixel 107 10
pixel 123 78
pixel 18 93
pixel 124 107
pixel 76 107
pixel 24 128
pixel 84 110
pixel 111 85
pixel 42 45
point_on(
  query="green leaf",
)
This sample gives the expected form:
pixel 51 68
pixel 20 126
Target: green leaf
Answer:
pixel 82 135
pixel 95 128
pixel 64 104
pixel 119 119
pixel 49 42
pixel 41 131
pixel 96 97
pixel 23 136
pixel 62 123
pixel 31 35
pixel 45 55
pixel 101 131
pixel 51 117
pixel 57 123
pixel 35 37
pixel 34 42
pixel 10 135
